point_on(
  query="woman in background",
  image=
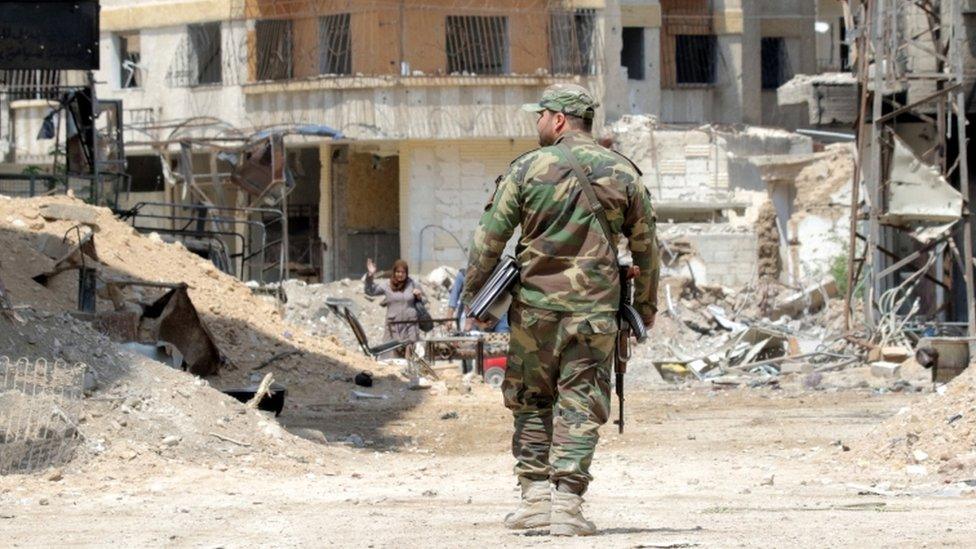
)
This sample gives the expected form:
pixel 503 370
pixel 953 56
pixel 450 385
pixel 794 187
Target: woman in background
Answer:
pixel 400 297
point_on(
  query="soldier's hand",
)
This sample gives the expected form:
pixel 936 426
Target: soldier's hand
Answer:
pixel 470 323
pixel 633 272
pixel 649 320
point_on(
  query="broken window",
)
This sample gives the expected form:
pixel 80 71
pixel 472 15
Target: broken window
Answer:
pixel 775 63
pixel 205 52
pixel 632 53
pixel 273 40
pixel 695 58
pixel 130 55
pixel 146 173
pixel 571 42
pixel 477 44
pixel 845 48
pixel 335 51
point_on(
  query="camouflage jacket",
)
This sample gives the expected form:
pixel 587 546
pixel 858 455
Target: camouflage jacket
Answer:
pixel 565 262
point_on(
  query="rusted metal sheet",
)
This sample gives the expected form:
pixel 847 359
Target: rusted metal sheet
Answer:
pixel 173 318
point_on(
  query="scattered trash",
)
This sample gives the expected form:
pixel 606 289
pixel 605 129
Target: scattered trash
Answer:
pixel 368 396
pixel 885 369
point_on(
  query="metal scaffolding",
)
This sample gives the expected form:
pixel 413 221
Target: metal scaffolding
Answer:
pixel 910 61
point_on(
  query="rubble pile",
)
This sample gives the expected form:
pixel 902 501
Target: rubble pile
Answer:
pixel 307 306
pixel 247 329
pixel 936 435
pixel 138 406
pixel 821 216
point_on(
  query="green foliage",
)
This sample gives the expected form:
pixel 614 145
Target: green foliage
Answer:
pixel 838 268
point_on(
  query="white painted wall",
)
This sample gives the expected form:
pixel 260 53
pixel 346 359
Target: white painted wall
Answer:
pixel 160 49
pixel 448 183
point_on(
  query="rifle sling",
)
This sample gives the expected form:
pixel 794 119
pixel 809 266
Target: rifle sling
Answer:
pixel 591 199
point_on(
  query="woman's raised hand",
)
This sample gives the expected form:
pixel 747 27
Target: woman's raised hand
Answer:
pixel 370 267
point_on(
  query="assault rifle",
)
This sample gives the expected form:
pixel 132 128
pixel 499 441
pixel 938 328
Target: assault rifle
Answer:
pixel 631 324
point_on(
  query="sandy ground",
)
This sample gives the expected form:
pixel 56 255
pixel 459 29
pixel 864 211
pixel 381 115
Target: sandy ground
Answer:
pixel 693 469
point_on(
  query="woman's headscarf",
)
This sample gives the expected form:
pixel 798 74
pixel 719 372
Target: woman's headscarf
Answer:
pixel 399 286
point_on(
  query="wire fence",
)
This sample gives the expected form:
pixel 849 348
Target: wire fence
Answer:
pixel 40 402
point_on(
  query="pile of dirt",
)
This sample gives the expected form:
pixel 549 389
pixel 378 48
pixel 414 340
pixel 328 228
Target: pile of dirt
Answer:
pixel 767 233
pixel 137 407
pixel 821 186
pixel 934 435
pixel 248 329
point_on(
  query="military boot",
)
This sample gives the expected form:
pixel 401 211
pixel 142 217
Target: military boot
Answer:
pixel 533 510
pixel 567 516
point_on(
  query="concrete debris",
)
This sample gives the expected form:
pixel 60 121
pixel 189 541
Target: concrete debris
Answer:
pixel 889 353
pixel 137 399
pixel 70 212
pixel 810 300
pixel 885 369
pixel 831 98
pixel 362 395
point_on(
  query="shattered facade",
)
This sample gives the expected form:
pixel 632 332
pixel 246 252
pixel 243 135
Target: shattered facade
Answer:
pixel 410 88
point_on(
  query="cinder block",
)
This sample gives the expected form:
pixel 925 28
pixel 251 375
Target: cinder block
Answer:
pixel 885 369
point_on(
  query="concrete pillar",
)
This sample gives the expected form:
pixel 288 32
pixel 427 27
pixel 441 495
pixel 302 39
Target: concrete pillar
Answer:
pixel 325 211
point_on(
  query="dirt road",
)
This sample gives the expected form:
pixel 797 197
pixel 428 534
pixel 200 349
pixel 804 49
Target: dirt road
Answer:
pixel 743 468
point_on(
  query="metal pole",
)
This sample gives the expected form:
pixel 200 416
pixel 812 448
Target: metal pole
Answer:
pixel 862 82
pixel 964 184
pixel 96 181
pixel 874 190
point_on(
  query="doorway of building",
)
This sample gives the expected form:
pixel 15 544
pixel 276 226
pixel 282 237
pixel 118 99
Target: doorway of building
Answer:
pixel 365 209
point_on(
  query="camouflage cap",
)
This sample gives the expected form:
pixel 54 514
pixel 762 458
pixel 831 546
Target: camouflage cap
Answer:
pixel 569 99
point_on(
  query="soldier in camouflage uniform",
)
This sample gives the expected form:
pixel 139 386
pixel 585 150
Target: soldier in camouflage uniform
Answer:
pixel 563 317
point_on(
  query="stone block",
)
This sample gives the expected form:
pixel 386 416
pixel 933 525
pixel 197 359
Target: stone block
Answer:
pixel 887 370
pixel 70 212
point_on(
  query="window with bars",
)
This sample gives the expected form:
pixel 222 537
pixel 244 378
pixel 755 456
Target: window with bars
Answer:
pixel 130 55
pixel 695 58
pixel 477 44
pixel 775 63
pixel 30 84
pixel 273 41
pixel 572 36
pixel 335 50
pixel 204 53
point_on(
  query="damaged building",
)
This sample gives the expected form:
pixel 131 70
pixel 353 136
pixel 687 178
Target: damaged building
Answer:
pixel 418 107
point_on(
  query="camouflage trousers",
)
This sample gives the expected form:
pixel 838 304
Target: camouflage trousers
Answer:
pixel 558 387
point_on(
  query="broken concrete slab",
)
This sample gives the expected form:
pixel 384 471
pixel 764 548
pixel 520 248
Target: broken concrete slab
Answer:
pixel 51 245
pixel 811 299
pixel 887 370
pixel 73 258
pixel 70 212
pixel 889 353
